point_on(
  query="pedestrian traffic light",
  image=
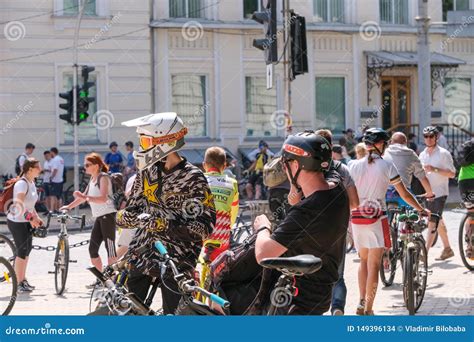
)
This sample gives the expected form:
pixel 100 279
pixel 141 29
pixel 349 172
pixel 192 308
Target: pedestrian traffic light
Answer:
pixel 83 99
pixel 299 51
pixel 68 106
pixel 268 17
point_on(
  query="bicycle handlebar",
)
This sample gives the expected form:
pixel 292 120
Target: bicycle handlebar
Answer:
pixel 64 215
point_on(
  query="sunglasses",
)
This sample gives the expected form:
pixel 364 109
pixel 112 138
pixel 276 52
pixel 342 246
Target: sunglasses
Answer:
pixel 86 165
pixel 429 136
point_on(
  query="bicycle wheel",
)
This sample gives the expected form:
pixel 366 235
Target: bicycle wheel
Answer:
pixel 466 241
pixel 61 264
pixel 7 249
pixel 387 272
pixel 420 272
pixel 408 285
pixel 8 287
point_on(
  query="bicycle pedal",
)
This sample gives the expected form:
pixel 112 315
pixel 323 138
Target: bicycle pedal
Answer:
pixel 73 261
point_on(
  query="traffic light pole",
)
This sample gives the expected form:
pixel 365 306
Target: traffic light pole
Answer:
pixel 424 66
pixel 286 61
pixel 74 108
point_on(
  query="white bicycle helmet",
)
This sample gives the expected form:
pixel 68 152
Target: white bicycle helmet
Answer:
pixel 160 135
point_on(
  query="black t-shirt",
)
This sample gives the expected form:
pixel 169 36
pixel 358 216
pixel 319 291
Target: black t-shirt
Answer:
pixel 317 225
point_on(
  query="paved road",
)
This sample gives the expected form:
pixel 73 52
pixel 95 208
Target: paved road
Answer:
pixel 450 286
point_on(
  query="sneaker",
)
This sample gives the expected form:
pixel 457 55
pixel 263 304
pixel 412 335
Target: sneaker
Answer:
pixel 446 254
pixel 338 312
pixel 22 288
pixel 361 308
pixel 94 285
pixel 25 282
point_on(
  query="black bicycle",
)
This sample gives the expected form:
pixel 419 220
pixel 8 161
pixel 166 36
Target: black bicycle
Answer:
pixel 410 248
pixel 116 299
pixel 8 286
pixel 466 240
pixel 61 258
pixel 7 249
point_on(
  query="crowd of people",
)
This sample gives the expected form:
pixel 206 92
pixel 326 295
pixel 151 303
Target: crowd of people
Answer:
pixel 316 189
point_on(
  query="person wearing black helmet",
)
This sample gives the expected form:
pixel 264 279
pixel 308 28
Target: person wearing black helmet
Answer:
pixel 373 175
pixel 316 224
pixel 439 167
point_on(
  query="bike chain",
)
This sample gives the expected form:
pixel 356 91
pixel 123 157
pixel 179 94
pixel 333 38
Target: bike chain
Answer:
pixel 53 248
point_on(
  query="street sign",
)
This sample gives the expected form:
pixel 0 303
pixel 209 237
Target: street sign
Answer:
pixel 269 76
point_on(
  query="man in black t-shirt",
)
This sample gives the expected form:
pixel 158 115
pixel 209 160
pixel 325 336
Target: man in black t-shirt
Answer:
pixel 316 224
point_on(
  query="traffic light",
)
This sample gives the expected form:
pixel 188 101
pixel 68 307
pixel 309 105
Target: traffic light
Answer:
pixel 68 106
pixel 83 99
pixel 299 51
pixel 268 17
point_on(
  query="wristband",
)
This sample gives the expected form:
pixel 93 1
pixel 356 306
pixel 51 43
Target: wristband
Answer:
pixel 28 216
pixel 264 228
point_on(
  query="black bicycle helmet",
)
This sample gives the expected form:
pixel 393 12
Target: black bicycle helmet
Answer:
pixel 313 152
pixel 375 135
pixel 431 130
pixel 40 232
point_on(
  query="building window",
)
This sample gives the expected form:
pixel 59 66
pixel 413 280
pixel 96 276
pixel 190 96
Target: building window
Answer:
pixel 454 5
pixel 186 8
pixel 330 103
pixel 189 100
pixel 261 103
pixel 329 11
pixel 88 133
pixel 457 102
pixel 251 6
pixel 71 7
pixel 394 12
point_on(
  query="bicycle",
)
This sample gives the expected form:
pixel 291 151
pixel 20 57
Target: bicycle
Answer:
pixel 61 259
pixel 409 247
pixel 7 249
pixel 466 240
pixel 118 300
pixel 204 263
pixel 8 287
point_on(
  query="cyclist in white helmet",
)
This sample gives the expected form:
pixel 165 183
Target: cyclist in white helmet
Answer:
pixel 170 201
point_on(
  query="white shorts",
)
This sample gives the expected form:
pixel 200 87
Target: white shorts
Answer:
pixel 126 237
pixel 375 235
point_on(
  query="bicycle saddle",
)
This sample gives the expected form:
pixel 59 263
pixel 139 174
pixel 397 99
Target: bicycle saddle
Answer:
pixel 302 264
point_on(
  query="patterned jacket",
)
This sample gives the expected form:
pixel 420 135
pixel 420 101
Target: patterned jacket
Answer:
pixel 182 215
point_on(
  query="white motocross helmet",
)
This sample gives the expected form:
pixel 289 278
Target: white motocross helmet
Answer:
pixel 160 135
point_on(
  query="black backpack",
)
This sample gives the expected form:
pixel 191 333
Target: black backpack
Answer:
pixel 118 193
pixel 466 155
pixel 17 164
